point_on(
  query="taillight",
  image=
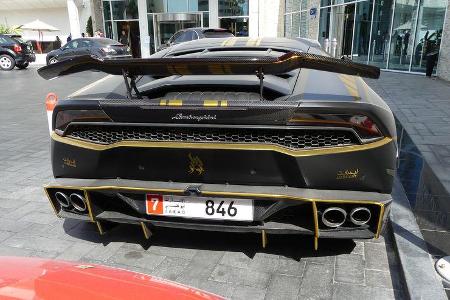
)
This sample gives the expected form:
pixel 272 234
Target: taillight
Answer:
pixel 65 117
pixel 17 48
pixel 50 103
pixel 365 127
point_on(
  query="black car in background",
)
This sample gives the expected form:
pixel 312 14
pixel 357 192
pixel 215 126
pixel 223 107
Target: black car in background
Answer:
pixel 15 52
pixel 196 33
pixel 98 47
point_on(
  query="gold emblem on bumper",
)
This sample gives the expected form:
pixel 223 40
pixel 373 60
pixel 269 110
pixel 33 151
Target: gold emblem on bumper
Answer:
pixel 195 165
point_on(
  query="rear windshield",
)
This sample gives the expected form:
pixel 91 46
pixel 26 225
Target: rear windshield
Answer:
pixel 19 39
pixel 217 34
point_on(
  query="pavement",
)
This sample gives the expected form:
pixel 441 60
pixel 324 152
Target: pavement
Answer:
pixel 231 265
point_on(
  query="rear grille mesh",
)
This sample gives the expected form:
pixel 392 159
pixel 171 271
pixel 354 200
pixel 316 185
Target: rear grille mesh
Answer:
pixel 288 138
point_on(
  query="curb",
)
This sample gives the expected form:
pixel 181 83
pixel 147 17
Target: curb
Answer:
pixel 421 280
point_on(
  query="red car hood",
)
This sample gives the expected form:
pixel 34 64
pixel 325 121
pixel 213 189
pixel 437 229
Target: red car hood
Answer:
pixel 36 278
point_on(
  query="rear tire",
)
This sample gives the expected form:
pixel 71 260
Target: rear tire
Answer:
pixel 52 60
pixel 7 63
pixel 23 66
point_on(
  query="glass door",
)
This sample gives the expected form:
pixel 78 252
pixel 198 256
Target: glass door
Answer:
pixel 166 25
pixel 342 31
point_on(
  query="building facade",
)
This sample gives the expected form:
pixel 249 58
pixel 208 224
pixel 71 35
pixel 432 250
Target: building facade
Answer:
pixel 68 16
pixel 397 35
pixel 150 23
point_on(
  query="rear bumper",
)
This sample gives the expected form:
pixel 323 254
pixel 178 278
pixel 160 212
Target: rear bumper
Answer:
pixel 31 57
pixel 103 196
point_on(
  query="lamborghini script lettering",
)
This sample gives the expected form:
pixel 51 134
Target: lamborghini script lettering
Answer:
pixel 195 165
pixel 197 118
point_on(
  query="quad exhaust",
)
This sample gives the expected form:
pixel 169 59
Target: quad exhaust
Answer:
pixel 78 202
pixel 360 216
pixel 62 199
pixel 75 200
pixel 334 217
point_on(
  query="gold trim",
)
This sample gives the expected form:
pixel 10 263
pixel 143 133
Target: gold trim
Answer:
pixel 51 203
pixel 88 202
pixel 222 146
pixel 147 232
pixel 264 239
pixel 100 228
pixel 215 103
pixel 380 222
pixel 350 84
pixel 171 102
pixel 316 220
pixel 238 194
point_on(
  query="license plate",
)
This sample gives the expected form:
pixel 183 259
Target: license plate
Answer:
pixel 200 207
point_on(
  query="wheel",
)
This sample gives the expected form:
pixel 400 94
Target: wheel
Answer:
pixel 23 66
pixel 52 61
pixel 7 62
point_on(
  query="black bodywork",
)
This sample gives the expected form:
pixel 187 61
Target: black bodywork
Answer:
pixel 299 143
pixel 18 50
pixel 98 47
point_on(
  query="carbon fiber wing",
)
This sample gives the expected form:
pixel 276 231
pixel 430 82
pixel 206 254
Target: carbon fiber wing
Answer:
pixel 232 65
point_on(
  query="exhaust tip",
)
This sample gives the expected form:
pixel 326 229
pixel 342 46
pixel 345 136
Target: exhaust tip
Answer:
pixel 78 202
pixel 334 217
pixel 62 199
pixel 360 215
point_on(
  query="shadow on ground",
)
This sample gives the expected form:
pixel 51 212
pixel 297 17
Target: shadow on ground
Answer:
pixel 289 246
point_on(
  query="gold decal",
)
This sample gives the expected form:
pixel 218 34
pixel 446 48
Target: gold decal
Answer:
pixel 70 162
pixel 195 165
pixel 347 174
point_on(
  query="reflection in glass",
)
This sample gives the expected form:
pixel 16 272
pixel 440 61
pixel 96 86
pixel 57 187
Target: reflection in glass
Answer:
pixel 156 6
pixel 233 8
pixel 106 11
pixel 238 26
pixel 205 19
pixel 381 28
pixel 324 26
pixel 401 41
pixel 122 10
pixel 429 32
pixel 303 32
pixel 108 29
pixel 362 31
pixel 342 31
pixel 177 6
pixel 151 33
pixel 287 26
pixel 295 24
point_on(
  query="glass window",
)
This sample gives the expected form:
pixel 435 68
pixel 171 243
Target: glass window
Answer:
pixel 106 11
pixel 381 27
pixel 198 5
pixel 156 6
pixel 177 6
pixel 233 8
pixel 287 26
pixel 205 19
pixel 401 41
pixel 238 26
pixel 150 33
pixel 108 30
pixel 292 5
pixel 325 2
pixel 304 4
pixel 324 27
pixel 295 25
pixel 362 31
pixel 124 10
pixel 429 33
pixel 304 20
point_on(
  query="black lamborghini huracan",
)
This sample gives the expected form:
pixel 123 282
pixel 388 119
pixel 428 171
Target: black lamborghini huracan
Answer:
pixel 266 135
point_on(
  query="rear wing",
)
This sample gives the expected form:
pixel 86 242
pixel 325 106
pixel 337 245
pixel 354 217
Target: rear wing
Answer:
pixel 231 65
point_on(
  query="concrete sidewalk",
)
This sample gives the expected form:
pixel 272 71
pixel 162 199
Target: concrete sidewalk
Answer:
pixel 422 105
